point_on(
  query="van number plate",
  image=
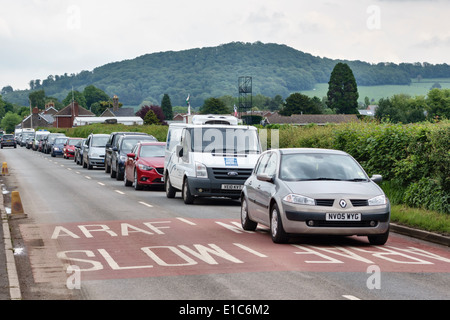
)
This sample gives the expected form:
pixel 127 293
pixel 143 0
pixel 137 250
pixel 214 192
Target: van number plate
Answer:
pixel 343 217
pixel 232 187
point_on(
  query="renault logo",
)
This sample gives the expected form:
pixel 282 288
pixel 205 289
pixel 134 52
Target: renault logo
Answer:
pixel 343 203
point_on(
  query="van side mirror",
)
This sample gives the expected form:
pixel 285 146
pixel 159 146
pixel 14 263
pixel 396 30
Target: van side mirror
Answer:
pixel 179 151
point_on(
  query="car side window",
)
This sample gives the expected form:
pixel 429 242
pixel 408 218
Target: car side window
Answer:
pixel 263 163
pixel 271 168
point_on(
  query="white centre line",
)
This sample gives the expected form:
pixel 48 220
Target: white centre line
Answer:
pixel 87 177
pixel 350 297
pixel 119 192
pixel 101 183
pixel 146 204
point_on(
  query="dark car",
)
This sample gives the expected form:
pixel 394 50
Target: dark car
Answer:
pixel 145 165
pixel 8 140
pixel 78 156
pixel 112 142
pixel 58 146
pixel 119 152
pixel 49 140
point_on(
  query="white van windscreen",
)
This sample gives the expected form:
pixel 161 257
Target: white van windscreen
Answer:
pixel 224 141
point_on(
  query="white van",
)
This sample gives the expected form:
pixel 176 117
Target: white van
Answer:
pixel 212 156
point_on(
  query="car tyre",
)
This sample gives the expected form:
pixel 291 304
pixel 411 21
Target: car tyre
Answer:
pixel 247 224
pixel 379 239
pixel 276 226
pixel 187 196
pixel 170 191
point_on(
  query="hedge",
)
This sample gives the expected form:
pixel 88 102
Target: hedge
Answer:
pixel 413 159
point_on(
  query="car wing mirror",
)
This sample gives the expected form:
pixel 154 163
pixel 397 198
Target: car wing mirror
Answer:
pixel 131 155
pixel 377 178
pixel 264 177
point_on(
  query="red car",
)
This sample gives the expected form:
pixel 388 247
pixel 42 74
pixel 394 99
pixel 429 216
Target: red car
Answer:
pixel 69 147
pixel 145 165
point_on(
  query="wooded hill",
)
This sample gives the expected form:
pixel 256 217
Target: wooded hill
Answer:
pixel 214 71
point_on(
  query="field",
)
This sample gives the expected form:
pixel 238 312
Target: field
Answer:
pixel 375 93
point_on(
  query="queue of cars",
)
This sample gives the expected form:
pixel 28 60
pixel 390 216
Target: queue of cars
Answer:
pixel 291 191
pixel 145 165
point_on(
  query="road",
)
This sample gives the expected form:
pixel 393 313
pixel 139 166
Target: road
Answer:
pixel 87 236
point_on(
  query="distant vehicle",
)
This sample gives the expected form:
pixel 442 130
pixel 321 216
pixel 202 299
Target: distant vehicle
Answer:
pixel 314 192
pixel 112 142
pixel 7 140
pixel 69 147
pixel 23 135
pixel 49 140
pixel 94 150
pixel 78 156
pixel 119 154
pixel 145 165
pixel 58 146
pixel 39 140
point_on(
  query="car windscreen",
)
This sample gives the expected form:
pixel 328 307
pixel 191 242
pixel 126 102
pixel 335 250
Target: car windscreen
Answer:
pixel 72 142
pixel 128 143
pixel 152 151
pixel 309 167
pixel 224 141
pixel 98 142
pixel 60 140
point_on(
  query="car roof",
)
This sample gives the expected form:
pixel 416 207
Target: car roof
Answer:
pixel 310 150
pixel 152 143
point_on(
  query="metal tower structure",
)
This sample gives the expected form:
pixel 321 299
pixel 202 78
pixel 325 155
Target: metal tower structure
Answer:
pixel 245 97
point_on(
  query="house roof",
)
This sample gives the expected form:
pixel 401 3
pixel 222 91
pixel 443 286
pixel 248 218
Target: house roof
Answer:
pixel 121 112
pixel 67 111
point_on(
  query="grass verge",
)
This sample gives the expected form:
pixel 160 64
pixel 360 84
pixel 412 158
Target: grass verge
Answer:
pixel 422 219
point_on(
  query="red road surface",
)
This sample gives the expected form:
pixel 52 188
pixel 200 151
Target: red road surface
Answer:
pixel 154 248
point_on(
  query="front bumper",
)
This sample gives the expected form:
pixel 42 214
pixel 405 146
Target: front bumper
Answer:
pixel 374 220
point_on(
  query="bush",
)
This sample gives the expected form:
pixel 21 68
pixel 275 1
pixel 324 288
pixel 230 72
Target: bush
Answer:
pixel 413 159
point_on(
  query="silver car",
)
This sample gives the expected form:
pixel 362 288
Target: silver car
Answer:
pixel 314 191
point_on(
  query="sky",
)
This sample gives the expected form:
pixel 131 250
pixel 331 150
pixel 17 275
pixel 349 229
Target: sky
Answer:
pixel 39 38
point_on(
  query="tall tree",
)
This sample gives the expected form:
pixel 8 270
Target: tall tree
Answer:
pixel 343 90
pixel 298 103
pixel 166 106
pixel 93 95
pixel 214 106
pixel 37 99
pixel 77 96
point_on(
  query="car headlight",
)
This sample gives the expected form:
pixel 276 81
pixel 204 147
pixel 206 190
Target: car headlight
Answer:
pixel 56 148
pixel 377 201
pixel 200 170
pixel 123 158
pixel 298 199
pixel 144 167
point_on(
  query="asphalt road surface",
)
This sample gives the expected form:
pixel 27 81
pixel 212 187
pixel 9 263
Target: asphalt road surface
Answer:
pixel 87 236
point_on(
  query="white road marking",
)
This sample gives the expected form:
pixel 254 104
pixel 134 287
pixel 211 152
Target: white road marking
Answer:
pixel 146 204
pixel 187 221
pixel 350 297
